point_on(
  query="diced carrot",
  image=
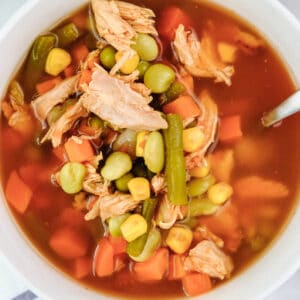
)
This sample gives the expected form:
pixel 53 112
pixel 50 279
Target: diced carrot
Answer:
pixel 79 152
pixel 104 259
pixel 119 244
pixel 45 86
pixel 184 106
pixel 170 19
pixel 72 217
pixel 120 262
pixel 60 153
pixel 69 243
pixel 154 268
pixel 79 53
pixel 93 61
pixel 82 267
pixel 85 78
pixel 176 270
pixel 69 71
pixel 196 284
pixel 230 129
pixel 17 192
pixel 80 20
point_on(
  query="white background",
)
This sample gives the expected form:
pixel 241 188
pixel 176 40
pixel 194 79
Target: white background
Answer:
pixel 11 284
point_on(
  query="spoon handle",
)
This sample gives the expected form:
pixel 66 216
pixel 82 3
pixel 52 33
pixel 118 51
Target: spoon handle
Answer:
pixel 290 106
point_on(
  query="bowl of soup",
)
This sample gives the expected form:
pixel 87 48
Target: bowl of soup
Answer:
pixel 133 158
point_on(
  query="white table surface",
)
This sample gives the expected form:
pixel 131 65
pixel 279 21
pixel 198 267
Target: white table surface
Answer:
pixel 12 284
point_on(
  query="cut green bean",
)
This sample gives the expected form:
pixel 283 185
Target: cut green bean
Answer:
pixel 114 224
pixel 202 207
pixel 67 35
pixel 175 163
pixel 199 186
pixel 122 183
pixel 175 90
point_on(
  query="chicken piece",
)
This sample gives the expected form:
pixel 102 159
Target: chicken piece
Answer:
pixel 115 102
pixel 91 58
pixel 208 122
pixel 65 123
pixel 112 205
pixel 44 103
pixel 203 233
pixel 168 213
pixel 200 58
pixel 207 258
pixel 159 184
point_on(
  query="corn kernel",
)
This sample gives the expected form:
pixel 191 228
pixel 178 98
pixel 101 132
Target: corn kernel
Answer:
pixel 220 193
pixel 179 239
pixel 193 139
pixel 200 172
pixel 133 227
pixel 130 64
pixel 139 188
pixel 141 140
pixel 57 60
pixel 227 52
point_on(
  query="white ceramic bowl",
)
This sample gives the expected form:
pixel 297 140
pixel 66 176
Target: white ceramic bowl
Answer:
pixel 267 273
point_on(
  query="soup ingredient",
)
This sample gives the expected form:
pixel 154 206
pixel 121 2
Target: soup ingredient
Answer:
pixel 57 60
pixel 230 129
pixel 154 154
pixel 116 165
pixel 69 243
pixel 222 164
pixel 47 85
pixel 18 194
pixel 184 106
pixel 133 227
pixel 202 171
pixel 179 239
pixel 16 94
pixel 219 193
pixel 141 140
pixel 202 207
pixel 67 35
pixel 193 139
pixel 199 186
pixel 82 267
pixel 195 284
pixel 104 258
pixel 134 113
pixel 37 58
pixel 175 164
pixel 176 267
pixel 122 182
pixel 139 188
pixel 119 244
pixel 227 52
pixel 130 64
pixel 71 177
pixel 78 150
pixel 200 58
pixel 159 77
pixel 142 67
pixel 85 78
pixel 174 91
pixel 114 224
pixel 146 47
pixel 107 57
pixel 126 142
pixel 79 53
pixel 207 258
pixel 154 268
pixel 55 113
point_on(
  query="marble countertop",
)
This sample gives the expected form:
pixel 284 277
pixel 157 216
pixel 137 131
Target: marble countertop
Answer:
pixel 12 285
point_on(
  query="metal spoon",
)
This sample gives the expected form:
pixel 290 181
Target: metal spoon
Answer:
pixel 290 106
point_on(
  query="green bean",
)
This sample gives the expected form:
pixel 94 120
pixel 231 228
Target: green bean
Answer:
pixel 202 207
pixel 55 113
pixel 16 94
pixel 135 248
pixel 67 35
pixel 159 77
pixel 122 183
pixel 199 186
pixel 175 90
pixel 114 224
pixel 142 67
pixel 107 57
pixel 154 152
pixel 175 163
pixel 116 165
pixel 71 177
pixel 146 47
pixel 37 59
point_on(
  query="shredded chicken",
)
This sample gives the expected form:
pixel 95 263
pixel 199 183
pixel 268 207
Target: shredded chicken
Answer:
pixel 112 205
pixel 65 123
pixel 200 58
pixel 203 233
pixel 207 258
pixel 44 103
pixel 159 184
pixel 115 102
pixel 168 213
pixel 91 58
pixel 208 122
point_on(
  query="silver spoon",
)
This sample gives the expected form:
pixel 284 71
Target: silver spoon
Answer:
pixel 287 108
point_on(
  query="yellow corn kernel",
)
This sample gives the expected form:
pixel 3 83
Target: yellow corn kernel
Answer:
pixel 220 192
pixel 141 140
pixel 193 139
pixel 58 59
pixel 139 188
pixel 179 239
pixel 130 64
pixel 133 227
pixel 227 52
pixel 200 172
